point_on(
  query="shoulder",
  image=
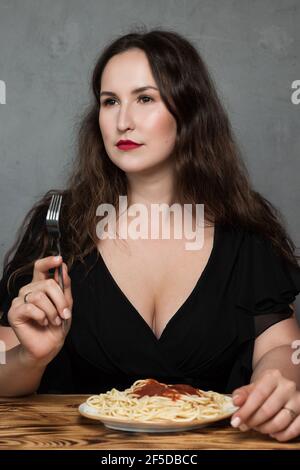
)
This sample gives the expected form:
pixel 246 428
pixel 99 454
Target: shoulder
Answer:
pixel 254 246
pixel 267 282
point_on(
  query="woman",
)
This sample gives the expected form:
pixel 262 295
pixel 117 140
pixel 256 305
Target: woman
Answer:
pixel 220 317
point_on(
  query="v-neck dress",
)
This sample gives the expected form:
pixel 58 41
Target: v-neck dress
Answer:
pixel 208 343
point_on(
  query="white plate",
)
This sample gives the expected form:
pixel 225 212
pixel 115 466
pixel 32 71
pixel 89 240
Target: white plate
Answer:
pixel 166 426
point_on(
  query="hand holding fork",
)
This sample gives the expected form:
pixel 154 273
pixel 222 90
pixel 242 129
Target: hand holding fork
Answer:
pixel 41 314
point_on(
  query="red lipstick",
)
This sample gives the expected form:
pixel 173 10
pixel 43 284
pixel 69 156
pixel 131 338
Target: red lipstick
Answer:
pixel 127 144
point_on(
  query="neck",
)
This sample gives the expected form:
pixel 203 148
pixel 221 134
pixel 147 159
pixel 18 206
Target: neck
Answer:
pixel 151 189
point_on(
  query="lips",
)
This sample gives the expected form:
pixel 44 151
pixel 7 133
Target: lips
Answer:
pixel 127 145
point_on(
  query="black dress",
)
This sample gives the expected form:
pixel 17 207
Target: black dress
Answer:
pixel 208 343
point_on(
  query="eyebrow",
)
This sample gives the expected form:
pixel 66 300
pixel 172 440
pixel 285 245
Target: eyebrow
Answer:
pixel 136 90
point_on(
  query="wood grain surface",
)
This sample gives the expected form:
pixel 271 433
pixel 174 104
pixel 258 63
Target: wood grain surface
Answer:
pixel 53 422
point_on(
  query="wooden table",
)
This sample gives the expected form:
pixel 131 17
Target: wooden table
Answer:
pixel 47 422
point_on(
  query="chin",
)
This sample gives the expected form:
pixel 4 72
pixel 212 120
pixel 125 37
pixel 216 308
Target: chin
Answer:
pixel 129 165
pixel 135 168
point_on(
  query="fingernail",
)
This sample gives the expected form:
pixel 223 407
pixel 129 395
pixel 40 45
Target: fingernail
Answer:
pixel 235 422
pixel 57 321
pixel 57 258
pixel 66 314
pixel 45 322
pixel 244 427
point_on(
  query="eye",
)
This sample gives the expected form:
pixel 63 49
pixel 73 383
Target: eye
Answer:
pixel 109 101
pixel 145 97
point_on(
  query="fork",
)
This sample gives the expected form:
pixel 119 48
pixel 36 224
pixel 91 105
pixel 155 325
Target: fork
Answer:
pixel 52 224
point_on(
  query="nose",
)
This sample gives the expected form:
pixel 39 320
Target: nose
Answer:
pixel 125 119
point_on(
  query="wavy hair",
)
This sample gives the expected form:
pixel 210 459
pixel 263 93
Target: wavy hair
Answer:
pixel 207 161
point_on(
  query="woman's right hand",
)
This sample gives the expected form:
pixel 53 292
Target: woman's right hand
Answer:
pixel 42 323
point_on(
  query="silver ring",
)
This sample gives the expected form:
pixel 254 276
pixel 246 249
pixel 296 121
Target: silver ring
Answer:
pixel 293 413
pixel 25 297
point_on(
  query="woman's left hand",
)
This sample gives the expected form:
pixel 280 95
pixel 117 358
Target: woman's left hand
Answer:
pixel 270 405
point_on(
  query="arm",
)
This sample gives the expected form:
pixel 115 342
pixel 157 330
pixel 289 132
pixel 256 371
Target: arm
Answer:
pixel 271 402
pixel 40 326
pixel 7 335
pixel 18 375
pixel 273 350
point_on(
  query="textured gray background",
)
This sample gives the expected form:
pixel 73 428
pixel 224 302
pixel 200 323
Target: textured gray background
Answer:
pixel 47 52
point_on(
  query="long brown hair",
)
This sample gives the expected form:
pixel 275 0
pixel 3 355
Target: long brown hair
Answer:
pixel 208 165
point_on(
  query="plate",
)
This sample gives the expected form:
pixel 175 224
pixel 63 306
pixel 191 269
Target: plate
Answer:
pixel 147 426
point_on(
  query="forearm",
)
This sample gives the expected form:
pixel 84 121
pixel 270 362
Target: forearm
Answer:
pixel 18 377
pixel 278 358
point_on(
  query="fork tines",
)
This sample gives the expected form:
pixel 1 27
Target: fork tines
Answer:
pixel 52 218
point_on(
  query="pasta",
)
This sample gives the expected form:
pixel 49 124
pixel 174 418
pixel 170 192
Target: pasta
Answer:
pixel 151 401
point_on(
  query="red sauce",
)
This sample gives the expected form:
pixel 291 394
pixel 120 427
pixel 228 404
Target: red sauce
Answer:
pixel 155 388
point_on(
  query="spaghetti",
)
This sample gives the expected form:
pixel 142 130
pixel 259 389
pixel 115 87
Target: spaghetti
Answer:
pixel 151 401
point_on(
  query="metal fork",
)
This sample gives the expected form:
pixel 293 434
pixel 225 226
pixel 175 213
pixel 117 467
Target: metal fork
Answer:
pixel 52 224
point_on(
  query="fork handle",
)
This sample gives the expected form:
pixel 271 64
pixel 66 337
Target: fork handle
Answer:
pixel 60 269
pixel 60 278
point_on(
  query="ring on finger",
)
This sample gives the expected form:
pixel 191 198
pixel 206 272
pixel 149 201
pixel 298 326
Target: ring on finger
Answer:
pixel 25 297
pixel 292 413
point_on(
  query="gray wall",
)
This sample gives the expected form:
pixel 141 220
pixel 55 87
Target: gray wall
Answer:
pixel 47 52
